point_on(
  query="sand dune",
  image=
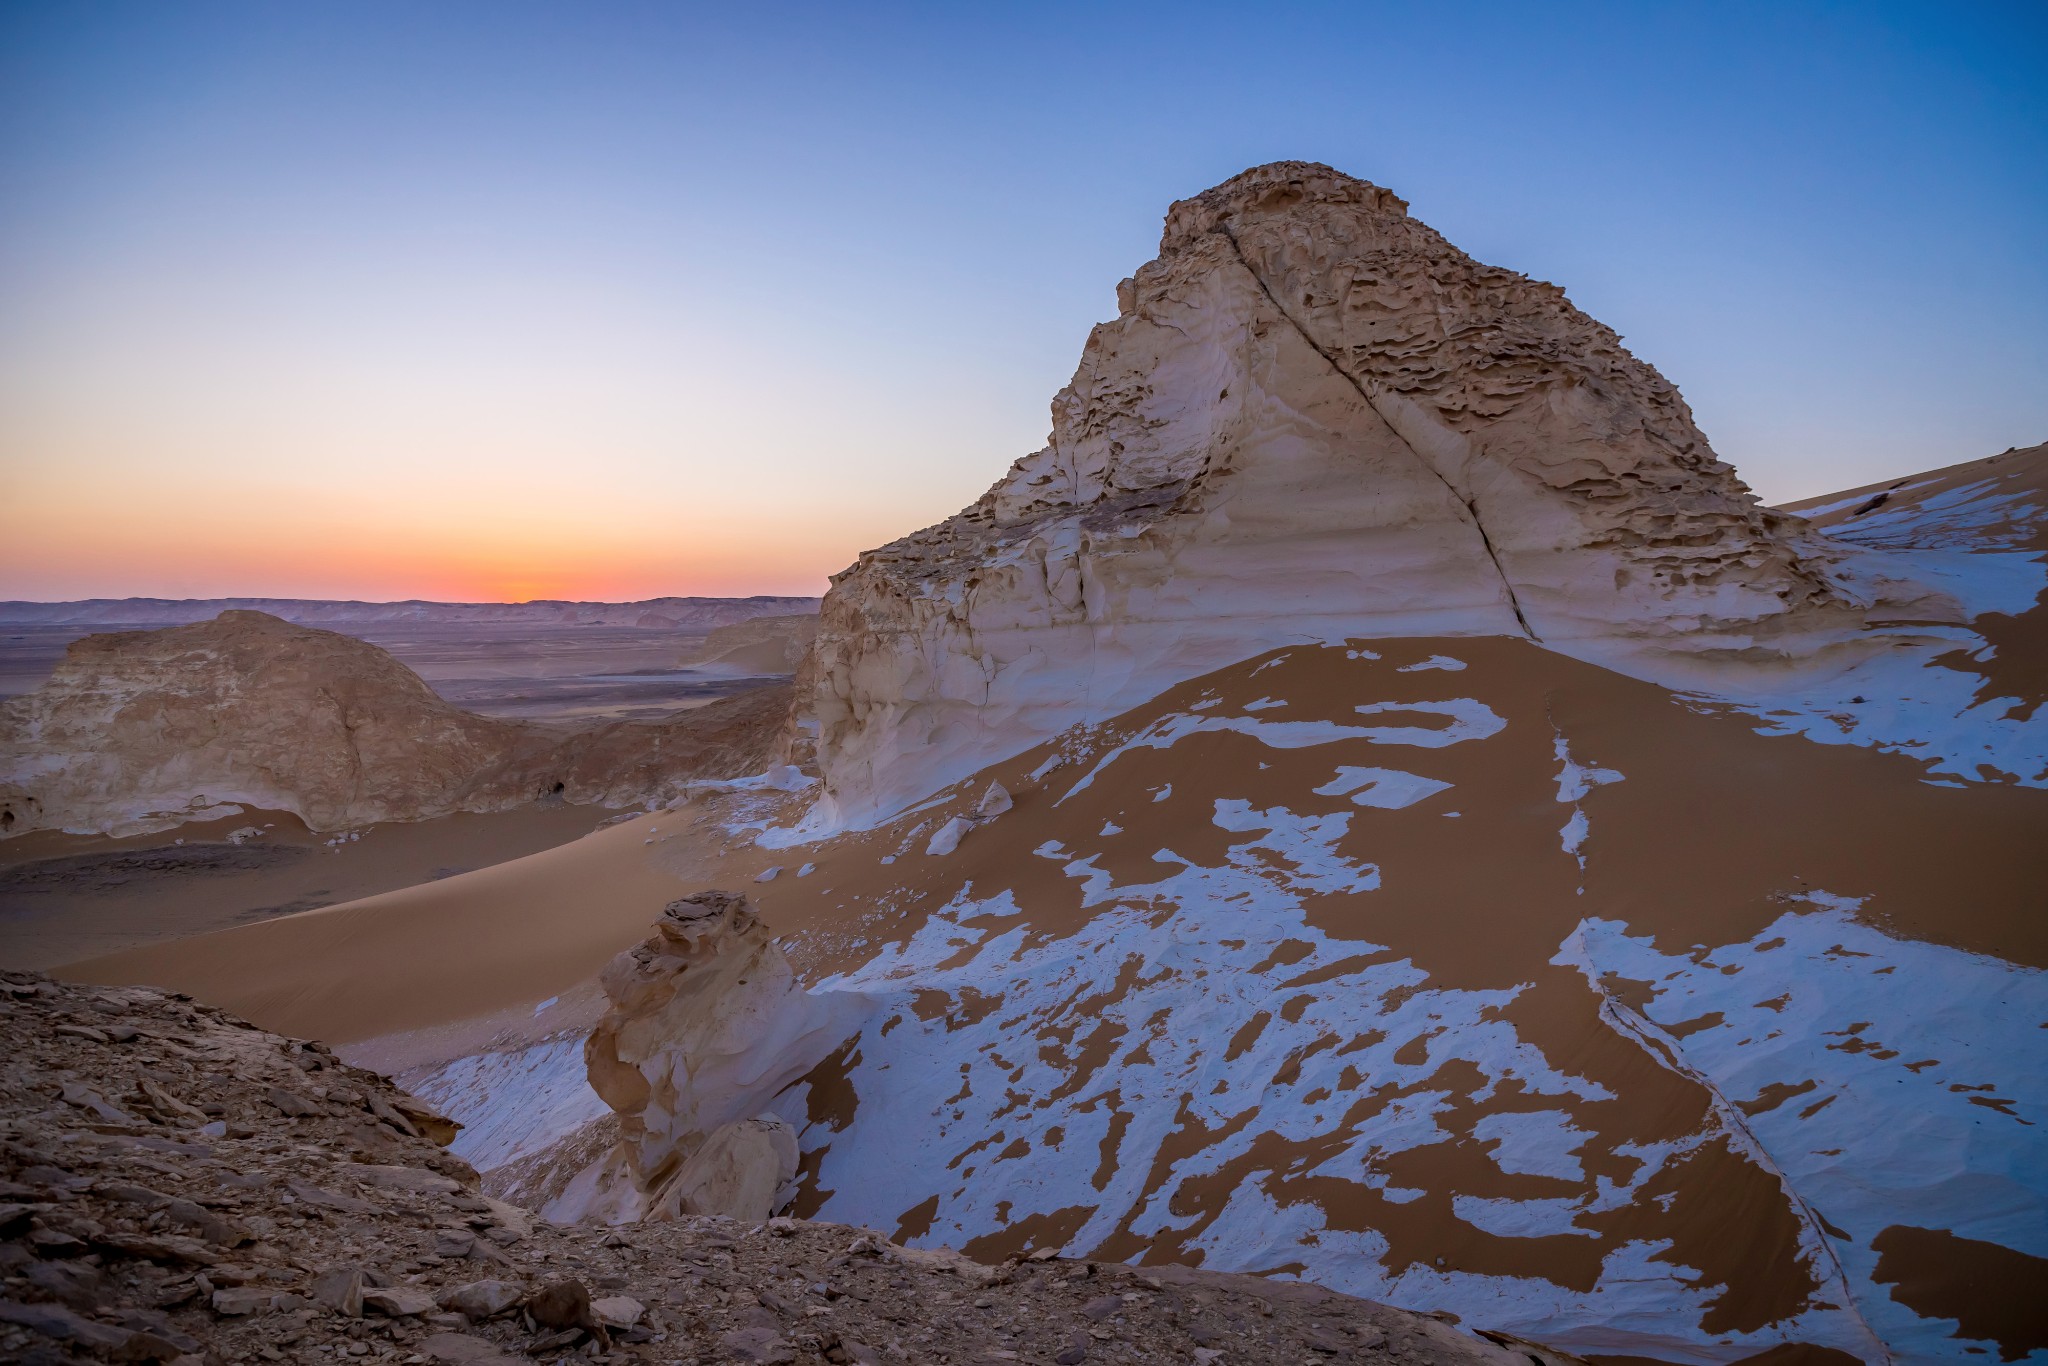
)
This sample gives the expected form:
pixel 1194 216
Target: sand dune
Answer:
pixel 64 897
pixel 512 934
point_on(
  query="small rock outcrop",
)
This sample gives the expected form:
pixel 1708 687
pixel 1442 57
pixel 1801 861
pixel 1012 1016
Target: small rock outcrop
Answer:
pixel 759 645
pixel 140 731
pixel 1313 418
pixel 651 763
pixel 707 1028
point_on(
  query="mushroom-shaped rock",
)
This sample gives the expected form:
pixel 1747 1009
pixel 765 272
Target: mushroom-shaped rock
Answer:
pixel 707 1027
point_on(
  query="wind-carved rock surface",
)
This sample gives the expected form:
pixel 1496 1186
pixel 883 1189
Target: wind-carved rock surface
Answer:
pixel 707 1029
pixel 1313 418
pixel 143 730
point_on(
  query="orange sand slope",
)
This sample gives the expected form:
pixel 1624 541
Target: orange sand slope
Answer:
pixel 1299 967
pixel 512 933
pixel 1984 503
pixel 65 897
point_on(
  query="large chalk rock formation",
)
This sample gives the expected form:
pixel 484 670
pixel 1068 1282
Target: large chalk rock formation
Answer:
pixel 142 730
pixel 138 729
pixel 1312 418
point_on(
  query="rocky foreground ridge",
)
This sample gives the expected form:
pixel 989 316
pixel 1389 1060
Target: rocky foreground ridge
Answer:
pixel 142 730
pixel 1313 418
pixel 179 1186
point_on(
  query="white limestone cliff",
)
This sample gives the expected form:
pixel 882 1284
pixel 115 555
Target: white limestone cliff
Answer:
pixel 1313 418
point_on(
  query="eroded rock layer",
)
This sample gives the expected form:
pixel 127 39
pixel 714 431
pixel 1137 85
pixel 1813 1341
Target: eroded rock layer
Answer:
pixel 1312 418
pixel 707 1027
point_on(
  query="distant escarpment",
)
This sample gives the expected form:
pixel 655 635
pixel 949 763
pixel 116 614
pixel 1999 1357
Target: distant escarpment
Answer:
pixel 142 730
pixel 652 614
pixel 1313 418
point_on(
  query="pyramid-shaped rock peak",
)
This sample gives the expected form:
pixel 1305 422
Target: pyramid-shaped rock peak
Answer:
pixel 1312 418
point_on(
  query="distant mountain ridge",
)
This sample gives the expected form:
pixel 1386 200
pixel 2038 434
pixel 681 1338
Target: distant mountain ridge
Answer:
pixel 651 613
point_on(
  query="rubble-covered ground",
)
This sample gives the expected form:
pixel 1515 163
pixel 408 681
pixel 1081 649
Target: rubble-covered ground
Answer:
pixel 177 1185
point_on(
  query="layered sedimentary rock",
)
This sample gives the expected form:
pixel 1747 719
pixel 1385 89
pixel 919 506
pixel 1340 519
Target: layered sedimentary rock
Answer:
pixel 141 730
pixel 653 763
pixel 1312 418
pixel 707 1028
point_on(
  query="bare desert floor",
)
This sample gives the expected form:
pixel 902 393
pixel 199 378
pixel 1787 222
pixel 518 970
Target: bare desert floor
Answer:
pixel 64 897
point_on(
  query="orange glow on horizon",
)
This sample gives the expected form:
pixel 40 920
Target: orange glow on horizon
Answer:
pixel 213 550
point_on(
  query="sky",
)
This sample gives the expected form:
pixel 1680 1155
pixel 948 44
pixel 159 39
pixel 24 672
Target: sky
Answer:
pixel 499 300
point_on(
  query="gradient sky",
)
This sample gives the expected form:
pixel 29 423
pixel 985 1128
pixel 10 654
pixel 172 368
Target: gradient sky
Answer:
pixel 502 300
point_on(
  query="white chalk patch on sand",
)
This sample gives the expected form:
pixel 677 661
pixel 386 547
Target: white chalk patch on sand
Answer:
pixel 1469 719
pixel 1534 1143
pixel 1969 517
pixel 1909 703
pixel 1521 1218
pixel 1159 1013
pixel 1921 697
pixel 1389 789
pixel 513 1103
pixel 1908 1081
pixel 1574 781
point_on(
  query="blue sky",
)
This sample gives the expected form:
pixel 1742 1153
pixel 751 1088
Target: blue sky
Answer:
pixel 494 299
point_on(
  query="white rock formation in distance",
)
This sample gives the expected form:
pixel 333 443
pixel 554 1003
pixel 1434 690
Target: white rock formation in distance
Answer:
pixel 1312 419
pixel 139 731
